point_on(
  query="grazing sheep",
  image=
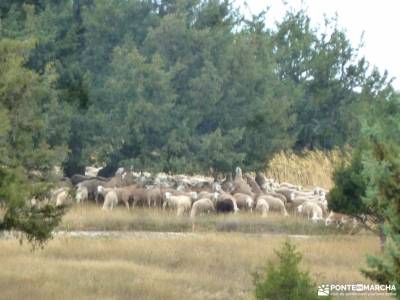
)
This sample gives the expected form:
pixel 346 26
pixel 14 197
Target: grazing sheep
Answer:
pixel 202 206
pixel 277 195
pixel 320 191
pixel 311 210
pixel 206 194
pixel 91 186
pixel 182 203
pixel 227 185
pixel 261 180
pixel 255 188
pixel 63 198
pixel 244 201
pixel 241 185
pixel 123 194
pixel 275 204
pixel 154 197
pixel 82 194
pixel 225 203
pixel 262 207
pixel 110 200
pixel 139 196
pixel 291 186
pixel 288 193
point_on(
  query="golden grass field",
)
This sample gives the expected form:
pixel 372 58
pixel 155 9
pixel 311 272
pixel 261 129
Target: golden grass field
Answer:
pixel 309 169
pixel 193 266
pixel 92 217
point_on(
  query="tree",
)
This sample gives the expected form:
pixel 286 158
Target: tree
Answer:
pixel 382 166
pixel 285 281
pixel 323 71
pixel 30 143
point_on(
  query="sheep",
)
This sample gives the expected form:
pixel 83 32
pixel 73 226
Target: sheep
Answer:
pixel 82 194
pixel 92 171
pixel 91 186
pixel 262 207
pixel 320 191
pixel 288 193
pixel 205 194
pixel 277 195
pixel 296 202
pixel 123 194
pixel 63 198
pixel 255 188
pixel 225 203
pixel 77 178
pixel 291 186
pixel 311 210
pixel 202 206
pixel 227 185
pixel 138 195
pixel 261 180
pixel 244 201
pixel 241 185
pixel 154 197
pixel 182 203
pixel 110 200
pixel 275 204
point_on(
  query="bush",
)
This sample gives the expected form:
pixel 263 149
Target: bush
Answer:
pixel 285 281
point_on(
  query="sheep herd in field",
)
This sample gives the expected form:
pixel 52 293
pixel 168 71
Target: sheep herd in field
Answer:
pixel 199 195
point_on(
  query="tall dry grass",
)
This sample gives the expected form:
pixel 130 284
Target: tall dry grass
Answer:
pixel 91 217
pixel 310 168
pixel 201 266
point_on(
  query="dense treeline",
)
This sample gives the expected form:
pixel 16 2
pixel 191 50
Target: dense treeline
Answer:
pixel 170 85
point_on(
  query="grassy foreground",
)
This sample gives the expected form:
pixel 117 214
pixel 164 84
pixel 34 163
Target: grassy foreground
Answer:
pixel 201 266
pixel 91 217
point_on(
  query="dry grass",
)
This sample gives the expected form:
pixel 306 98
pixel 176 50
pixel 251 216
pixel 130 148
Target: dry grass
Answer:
pixel 91 217
pixel 311 168
pixel 203 266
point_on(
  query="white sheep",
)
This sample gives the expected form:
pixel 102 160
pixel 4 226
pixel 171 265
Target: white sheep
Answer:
pixel 110 200
pixel 262 207
pixel 82 194
pixel 311 210
pixel 182 203
pixel 202 206
pixel 275 204
pixel 63 198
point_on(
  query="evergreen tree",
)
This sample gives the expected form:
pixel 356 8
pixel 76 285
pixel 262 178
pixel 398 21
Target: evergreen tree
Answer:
pixel 284 280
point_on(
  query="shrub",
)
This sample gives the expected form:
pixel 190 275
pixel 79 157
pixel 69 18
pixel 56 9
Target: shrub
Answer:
pixel 284 281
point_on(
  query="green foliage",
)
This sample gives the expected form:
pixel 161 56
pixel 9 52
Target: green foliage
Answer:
pixel 350 188
pixel 189 86
pixel 30 142
pixel 284 280
pixel 382 164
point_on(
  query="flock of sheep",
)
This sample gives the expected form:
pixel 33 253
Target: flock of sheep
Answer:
pixel 199 195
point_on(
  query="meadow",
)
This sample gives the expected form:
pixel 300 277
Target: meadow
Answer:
pixel 92 218
pixel 190 266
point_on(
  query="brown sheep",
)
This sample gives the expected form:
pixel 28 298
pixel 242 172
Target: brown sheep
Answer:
pixel 244 201
pixel 255 188
pixel 275 204
pixel 241 185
